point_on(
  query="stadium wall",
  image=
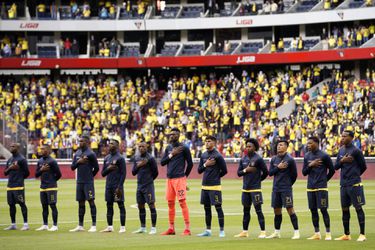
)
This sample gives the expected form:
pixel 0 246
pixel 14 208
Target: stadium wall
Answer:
pixel 339 15
pixel 187 61
pixel 232 165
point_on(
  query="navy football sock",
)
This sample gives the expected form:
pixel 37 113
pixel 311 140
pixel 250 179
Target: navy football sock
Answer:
pixel 55 214
pixel 45 214
pixel 153 216
pixel 81 213
pixel 258 210
pixel 142 216
pixel 326 219
pixel 361 220
pixel 315 219
pixel 277 221
pixel 220 216
pixel 122 213
pixel 109 213
pixel 346 220
pixel 24 212
pixel 294 220
pixel 246 218
pixel 12 213
pixel 208 216
pixel 93 214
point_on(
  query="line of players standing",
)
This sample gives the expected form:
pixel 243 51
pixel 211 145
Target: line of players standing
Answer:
pixel 317 166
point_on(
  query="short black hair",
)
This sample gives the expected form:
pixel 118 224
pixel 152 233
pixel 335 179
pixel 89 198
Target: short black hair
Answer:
pixel 115 141
pixel 85 137
pixel 350 133
pixel 211 137
pixel 175 130
pixel 254 142
pixel 314 139
pixel 282 140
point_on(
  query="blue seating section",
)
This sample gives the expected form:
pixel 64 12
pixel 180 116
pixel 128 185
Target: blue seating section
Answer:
pixel 233 46
pixel 192 49
pixel 130 51
pixel 356 4
pixel 309 43
pixel 252 47
pixel 65 13
pixel 287 44
pixel 170 12
pixel 47 52
pixel 306 6
pixel 192 11
pixel 131 14
pixel 170 50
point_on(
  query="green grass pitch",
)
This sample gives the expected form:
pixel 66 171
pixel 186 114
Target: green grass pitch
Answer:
pixel 68 216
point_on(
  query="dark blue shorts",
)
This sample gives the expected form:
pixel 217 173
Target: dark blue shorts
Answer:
pixel 48 197
pixel 211 197
pixel 15 196
pixel 317 199
pixel 255 198
pixel 110 195
pixel 282 199
pixel 146 194
pixel 353 195
pixel 85 192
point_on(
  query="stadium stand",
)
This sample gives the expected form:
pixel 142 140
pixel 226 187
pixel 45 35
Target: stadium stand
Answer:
pixel 223 105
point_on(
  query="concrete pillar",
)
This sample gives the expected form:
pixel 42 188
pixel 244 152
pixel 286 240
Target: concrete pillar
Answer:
pixel 184 36
pixel 302 30
pixel 357 70
pixel 244 34
pixel 120 36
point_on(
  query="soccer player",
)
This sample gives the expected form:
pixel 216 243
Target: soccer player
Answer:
pixel 318 166
pixel 87 166
pixel 115 170
pixel 17 170
pixel 175 156
pixel 146 169
pixel 254 170
pixel 283 168
pixel 49 172
pixel 213 167
pixel 352 164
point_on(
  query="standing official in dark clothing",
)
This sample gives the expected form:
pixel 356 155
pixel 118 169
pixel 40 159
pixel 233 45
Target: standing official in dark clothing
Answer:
pixel 49 173
pixel 146 169
pixel 87 166
pixel 177 157
pixel 213 167
pixel 115 170
pixel 254 170
pixel 283 168
pixel 17 170
pixel 352 164
pixel 318 166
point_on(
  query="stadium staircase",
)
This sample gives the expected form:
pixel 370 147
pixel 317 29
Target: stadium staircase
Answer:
pixel 11 131
pixel 287 109
pixel 369 43
pixel 161 97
